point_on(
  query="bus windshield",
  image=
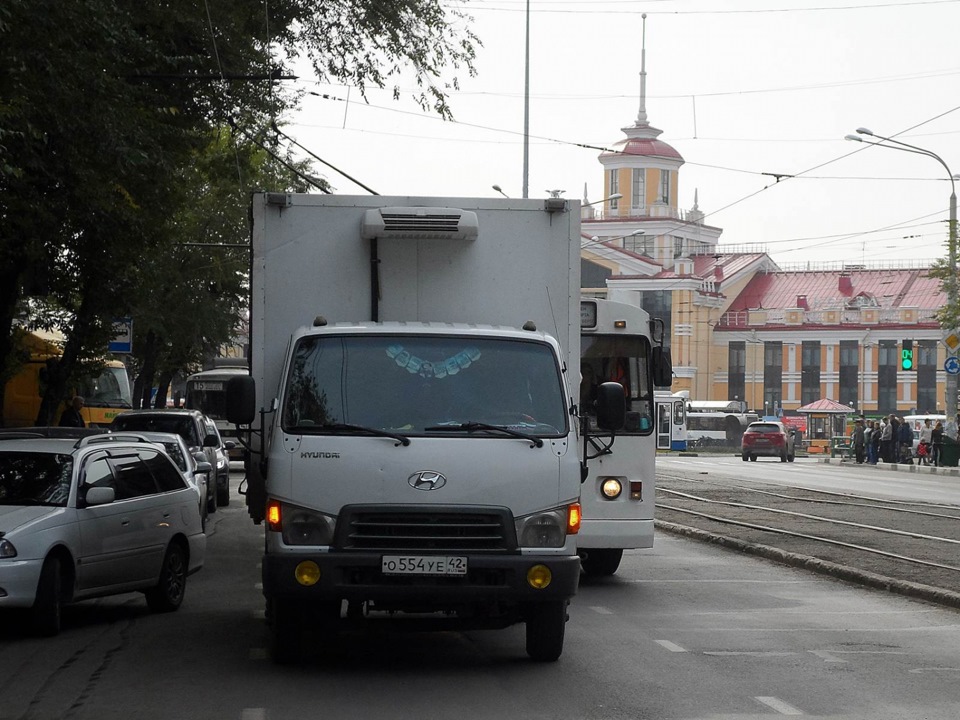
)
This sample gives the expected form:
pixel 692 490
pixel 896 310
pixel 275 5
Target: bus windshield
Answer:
pixel 408 383
pixel 618 358
pixel 111 388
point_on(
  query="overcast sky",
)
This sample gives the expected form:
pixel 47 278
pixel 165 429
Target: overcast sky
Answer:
pixel 743 89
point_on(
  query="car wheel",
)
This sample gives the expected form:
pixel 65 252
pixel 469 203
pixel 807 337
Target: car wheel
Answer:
pixel 45 613
pixel 223 493
pixel 753 458
pixel 168 593
pixel 546 625
pixel 790 458
pixel 744 456
pixel 601 563
pixel 783 457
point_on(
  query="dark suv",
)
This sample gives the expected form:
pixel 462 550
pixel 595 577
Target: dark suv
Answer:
pixel 200 434
pixel 766 439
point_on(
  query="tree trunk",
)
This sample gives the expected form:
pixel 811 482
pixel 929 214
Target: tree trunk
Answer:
pixel 163 387
pixel 145 378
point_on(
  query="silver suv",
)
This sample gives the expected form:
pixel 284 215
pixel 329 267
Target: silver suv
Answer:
pixel 200 434
pixel 94 516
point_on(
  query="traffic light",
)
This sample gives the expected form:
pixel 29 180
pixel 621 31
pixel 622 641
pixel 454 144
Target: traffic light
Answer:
pixel 906 356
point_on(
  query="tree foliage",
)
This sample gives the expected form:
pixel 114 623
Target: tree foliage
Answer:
pixel 108 109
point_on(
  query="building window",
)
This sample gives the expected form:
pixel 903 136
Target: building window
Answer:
pixel 810 372
pixel 664 187
pixel 926 376
pixel 614 188
pixel 640 244
pixel 638 190
pixel 850 373
pixel 887 364
pixel 772 376
pixel 737 370
pixel 677 246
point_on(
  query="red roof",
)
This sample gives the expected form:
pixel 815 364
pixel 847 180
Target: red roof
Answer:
pixel 826 405
pixel 831 289
pixel 644 146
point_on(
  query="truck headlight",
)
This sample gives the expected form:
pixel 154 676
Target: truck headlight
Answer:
pixel 545 529
pixel 299 525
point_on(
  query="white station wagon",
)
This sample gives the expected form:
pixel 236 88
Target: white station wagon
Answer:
pixel 83 518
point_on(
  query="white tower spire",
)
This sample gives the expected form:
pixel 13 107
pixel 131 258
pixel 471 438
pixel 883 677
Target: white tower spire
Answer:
pixel 642 115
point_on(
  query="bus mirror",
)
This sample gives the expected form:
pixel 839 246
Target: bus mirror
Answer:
pixel 662 367
pixel 611 406
pixel 241 400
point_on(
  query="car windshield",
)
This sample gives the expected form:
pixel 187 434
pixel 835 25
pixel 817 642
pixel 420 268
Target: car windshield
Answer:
pixel 407 383
pixel 33 478
pixel 176 424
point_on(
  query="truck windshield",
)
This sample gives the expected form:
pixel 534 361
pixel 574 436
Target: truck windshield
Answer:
pixel 623 359
pixel 408 383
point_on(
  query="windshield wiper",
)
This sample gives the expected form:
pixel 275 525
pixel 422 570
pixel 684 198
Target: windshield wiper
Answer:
pixel 348 428
pixel 473 426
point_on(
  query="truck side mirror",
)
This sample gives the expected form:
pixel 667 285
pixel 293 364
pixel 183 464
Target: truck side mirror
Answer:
pixel 611 407
pixel 662 367
pixel 241 400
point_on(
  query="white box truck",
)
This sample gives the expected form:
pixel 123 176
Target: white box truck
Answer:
pixel 412 413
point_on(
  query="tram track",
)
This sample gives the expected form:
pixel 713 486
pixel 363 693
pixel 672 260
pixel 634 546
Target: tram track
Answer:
pixel 909 546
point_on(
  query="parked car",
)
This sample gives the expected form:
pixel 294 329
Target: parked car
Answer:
pixel 194 427
pixel 193 466
pixel 94 516
pixel 767 439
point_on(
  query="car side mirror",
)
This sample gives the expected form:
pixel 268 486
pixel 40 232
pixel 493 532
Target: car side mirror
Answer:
pixel 662 366
pixel 229 444
pixel 611 406
pixel 100 495
pixel 211 440
pixel 241 400
pixel 203 468
pixel 199 457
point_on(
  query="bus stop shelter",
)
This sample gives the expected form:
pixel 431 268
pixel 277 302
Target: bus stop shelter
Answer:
pixel 827 426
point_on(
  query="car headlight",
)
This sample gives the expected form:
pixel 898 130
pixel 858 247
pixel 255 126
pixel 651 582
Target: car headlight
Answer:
pixel 7 550
pixel 543 529
pixel 299 525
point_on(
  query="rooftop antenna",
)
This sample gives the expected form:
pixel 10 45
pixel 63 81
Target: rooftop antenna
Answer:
pixel 642 115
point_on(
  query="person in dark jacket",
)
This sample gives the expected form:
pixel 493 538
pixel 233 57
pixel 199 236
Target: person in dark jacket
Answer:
pixel 71 416
pixel 905 444
pixel 936 442
pixel 858 441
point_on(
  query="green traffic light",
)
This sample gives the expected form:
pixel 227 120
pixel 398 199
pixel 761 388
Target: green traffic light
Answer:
pixel 906 359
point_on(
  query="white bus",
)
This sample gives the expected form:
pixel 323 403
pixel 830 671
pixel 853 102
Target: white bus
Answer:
pixel 206 391
pixel 617 497
pixel 671 421
pixel 717 422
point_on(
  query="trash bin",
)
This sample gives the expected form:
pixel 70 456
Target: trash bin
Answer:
pixel 949 452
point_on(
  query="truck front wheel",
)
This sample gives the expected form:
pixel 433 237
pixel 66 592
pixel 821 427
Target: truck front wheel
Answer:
pixel 601 563
pixel 546 623
pixel 287 624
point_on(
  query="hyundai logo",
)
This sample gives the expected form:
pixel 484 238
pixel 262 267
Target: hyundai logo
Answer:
pixel 426 480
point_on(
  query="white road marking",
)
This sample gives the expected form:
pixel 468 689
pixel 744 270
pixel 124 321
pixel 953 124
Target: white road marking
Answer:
pixel 748 653
pixel 825 656
pixel 601 610
pixel 253 714
pixel 258 586
pixel 779 705
pixel 672 647
pixel 951 670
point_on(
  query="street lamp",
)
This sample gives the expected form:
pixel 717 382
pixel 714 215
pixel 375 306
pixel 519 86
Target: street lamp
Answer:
pixel 499 190
pixel 951 284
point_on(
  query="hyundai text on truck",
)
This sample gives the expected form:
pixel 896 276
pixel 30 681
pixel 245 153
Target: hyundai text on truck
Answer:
pixel 411 412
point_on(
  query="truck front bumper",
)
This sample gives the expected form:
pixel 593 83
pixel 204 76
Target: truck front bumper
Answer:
pixel 357 576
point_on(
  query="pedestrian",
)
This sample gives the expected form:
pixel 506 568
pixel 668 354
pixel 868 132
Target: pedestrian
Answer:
pixel 886 439
pixel 905 441
pixel 875 441
pixel 925 443
pixel 71 416
pixel 859 441
pixel 868 440
pixel 936 440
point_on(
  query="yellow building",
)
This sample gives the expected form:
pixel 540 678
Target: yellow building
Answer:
pixel 742 328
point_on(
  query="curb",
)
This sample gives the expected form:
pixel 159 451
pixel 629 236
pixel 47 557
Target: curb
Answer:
pixel 897 467
pixel 824 567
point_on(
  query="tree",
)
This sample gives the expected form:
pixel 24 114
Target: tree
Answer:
pixel 104 104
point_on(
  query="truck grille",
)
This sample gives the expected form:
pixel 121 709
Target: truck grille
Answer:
pixel 433 529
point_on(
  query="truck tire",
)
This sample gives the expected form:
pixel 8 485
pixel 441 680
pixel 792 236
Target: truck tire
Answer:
pixel 167 594
pixel 601 563
pixel 45 613
pixel 546 623
pixel 286 637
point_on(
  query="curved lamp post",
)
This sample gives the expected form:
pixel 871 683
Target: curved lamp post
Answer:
pixel 951 284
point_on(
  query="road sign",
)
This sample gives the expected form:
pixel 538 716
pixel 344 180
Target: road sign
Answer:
pixel 952 341
pixel 952 365
pixel 123 342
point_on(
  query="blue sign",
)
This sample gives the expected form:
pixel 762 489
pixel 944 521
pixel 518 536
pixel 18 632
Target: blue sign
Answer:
pixel 952 365
pixel 123 342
